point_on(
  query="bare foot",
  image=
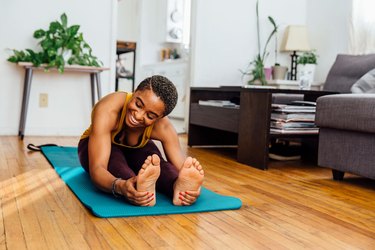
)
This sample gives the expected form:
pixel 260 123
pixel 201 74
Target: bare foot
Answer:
pixel 148 175
pixel 190 178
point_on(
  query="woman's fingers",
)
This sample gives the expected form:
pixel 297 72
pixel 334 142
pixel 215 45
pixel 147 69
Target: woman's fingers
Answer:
pixel 189 197
pixel 135 197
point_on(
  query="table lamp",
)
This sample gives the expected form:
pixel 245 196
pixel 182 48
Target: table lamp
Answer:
pixel 295 39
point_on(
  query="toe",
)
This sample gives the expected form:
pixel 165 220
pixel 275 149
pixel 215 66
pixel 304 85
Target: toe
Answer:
pixel 197 164
pixel 155 160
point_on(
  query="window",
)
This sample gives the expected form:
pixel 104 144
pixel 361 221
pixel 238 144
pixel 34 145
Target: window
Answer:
pixel 362 33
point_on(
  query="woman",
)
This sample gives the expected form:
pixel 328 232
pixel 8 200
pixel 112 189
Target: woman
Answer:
pixel 120 156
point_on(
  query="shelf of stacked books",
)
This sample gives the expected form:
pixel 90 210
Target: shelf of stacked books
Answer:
pixel 295 118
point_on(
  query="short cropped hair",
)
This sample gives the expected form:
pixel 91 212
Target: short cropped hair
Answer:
pixel 163 88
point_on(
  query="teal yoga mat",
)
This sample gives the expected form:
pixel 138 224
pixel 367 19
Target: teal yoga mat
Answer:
pixel 65 161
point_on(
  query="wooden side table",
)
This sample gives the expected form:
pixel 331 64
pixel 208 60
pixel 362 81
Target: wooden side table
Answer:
pixel 29 68
pixel 248 126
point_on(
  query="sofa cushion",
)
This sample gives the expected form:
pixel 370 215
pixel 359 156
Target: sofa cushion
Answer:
pixel 366 84
pixel 354 112
pixel 346 70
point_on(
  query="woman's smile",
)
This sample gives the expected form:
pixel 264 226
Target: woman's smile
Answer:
pixel 133 121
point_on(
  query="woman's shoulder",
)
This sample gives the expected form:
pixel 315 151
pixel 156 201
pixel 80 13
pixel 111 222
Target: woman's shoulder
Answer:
pixel 111 102
pixel 118 97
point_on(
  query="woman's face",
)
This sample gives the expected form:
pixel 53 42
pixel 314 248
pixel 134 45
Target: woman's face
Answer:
pixel 144 109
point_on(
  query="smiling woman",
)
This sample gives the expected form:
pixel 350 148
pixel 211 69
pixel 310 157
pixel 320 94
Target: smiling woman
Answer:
pixel 118 151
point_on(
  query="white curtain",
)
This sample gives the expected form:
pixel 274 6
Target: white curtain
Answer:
pixel 362 33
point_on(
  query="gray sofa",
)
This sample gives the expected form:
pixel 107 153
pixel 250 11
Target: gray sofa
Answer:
pixel 347 121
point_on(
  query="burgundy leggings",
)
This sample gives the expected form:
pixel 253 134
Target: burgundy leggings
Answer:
pixel 126 162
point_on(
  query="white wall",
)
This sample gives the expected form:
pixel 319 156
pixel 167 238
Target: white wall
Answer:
pixel 328 23
pixel 128 19
pixel 129 29
pixel 142 21
pixel 153 23
pixel 69 107
pixel 223 41
pixel 224 37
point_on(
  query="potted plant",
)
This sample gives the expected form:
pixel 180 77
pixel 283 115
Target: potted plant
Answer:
pixel 307 57
pixel 60 44
pixel 306 65
pixel 256 70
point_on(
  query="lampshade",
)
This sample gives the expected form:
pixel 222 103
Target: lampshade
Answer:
pixel 295 39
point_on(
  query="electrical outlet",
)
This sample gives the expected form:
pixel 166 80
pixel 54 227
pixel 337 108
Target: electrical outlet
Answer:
pixel 43 100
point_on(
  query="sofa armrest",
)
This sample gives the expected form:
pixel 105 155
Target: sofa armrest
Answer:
pixel 354 112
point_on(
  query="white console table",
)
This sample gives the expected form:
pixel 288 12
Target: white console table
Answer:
pixel 29 68
pixel 291 84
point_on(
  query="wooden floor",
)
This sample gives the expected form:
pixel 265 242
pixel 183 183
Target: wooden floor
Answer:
pixel 290 206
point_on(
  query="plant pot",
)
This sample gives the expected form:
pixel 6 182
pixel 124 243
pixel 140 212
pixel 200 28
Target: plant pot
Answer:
pixel 267 73
pixel 279 72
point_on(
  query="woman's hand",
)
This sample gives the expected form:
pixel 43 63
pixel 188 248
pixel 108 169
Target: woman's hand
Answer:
pixel 132 195
pixel 189 197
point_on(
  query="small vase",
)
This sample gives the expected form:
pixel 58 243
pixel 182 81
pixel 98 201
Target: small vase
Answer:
pixel 306 71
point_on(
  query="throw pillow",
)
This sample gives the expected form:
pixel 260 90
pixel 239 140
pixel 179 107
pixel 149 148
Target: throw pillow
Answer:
pixel 366 84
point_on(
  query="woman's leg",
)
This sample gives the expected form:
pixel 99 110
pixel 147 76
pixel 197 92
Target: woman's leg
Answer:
pixel 117 165
pixel 83 154
pixel 168 172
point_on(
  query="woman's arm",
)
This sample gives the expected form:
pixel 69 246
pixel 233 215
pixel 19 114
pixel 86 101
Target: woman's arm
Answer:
pixel 167 135
pixel 104 120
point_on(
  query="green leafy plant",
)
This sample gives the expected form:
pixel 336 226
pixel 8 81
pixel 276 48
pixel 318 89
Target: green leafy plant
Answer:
pixel 256 67
pixel 308 57
pixel 60 44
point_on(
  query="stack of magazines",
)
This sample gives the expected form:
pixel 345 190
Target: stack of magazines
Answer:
pixel 295 118
pixel 218 103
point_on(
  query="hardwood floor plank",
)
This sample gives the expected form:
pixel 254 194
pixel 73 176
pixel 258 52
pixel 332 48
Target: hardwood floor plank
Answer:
pixel 13 233
pixel 191 223
pixel 158 225
pixel 242 233
pixel 32 229
pixel 112 235
pixel 49 223
pixel 136 240
pixel 188 238
pixel 77 214
pixel 69 230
